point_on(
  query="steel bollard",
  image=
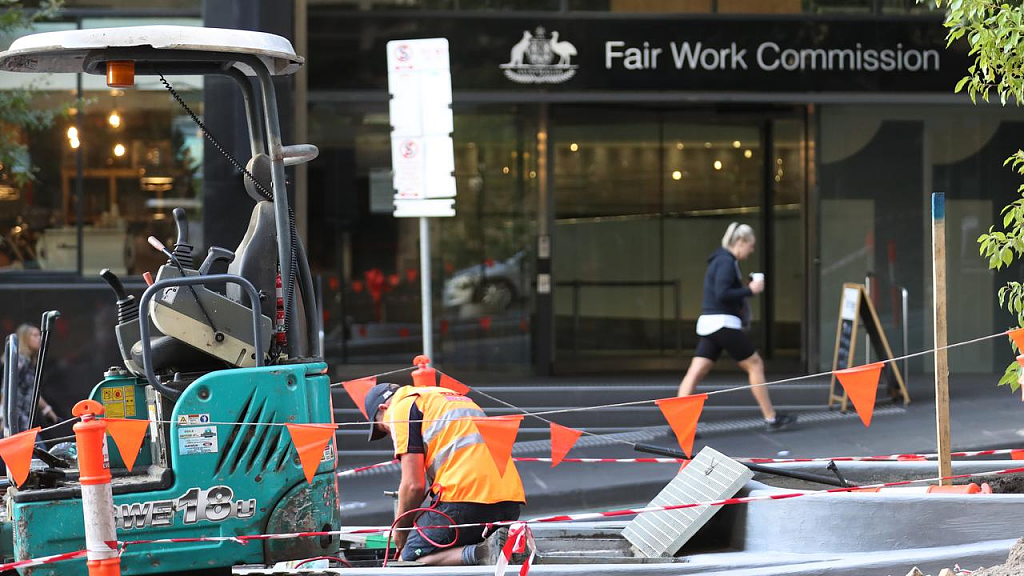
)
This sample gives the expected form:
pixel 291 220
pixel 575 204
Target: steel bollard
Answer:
pixel 97 498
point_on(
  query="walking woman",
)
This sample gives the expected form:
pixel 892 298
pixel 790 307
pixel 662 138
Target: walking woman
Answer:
pixel 28 350
pixel 725 315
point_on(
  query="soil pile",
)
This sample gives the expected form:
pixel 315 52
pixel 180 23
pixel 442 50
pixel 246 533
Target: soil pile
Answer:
pixel 1014 565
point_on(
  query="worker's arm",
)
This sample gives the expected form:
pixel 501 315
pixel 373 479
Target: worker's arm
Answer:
pixel 411 492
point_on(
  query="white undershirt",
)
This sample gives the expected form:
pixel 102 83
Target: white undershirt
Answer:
pixel 711 323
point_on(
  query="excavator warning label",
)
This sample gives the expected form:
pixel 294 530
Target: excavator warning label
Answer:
pixel 197 440
pixel 118 401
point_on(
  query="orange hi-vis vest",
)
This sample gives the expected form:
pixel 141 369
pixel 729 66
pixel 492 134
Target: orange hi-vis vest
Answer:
pixel 458 465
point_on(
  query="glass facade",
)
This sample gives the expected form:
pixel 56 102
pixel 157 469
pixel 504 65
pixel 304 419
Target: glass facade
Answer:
pixel 482 257
pixel 879 166
pixel 108 170
pixel 614 180
pixel 633 189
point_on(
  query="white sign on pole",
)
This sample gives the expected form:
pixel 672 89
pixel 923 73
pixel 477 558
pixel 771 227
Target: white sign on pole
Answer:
pixel 422 152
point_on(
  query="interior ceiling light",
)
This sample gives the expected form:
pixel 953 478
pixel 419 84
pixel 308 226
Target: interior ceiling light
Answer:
pixel 119 150
pixel 718 164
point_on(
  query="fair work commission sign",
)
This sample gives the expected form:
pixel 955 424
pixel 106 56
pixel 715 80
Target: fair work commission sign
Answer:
pixel 579 52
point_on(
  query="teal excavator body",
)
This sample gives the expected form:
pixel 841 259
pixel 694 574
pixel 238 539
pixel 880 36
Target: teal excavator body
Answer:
pixel 218 364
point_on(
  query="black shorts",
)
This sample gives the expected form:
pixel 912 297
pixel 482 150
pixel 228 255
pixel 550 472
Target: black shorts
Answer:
pixel 735 342
pixel 417 546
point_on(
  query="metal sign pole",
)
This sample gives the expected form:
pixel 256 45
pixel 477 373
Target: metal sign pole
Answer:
pixel 427 302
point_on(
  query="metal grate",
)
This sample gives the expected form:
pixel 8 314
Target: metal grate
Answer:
pixel 710 476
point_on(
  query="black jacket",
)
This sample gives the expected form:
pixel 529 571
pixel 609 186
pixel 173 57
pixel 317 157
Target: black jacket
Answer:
pixel 724 292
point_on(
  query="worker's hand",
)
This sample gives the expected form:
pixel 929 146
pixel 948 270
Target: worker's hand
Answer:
pixel 757 286
pixel 400 536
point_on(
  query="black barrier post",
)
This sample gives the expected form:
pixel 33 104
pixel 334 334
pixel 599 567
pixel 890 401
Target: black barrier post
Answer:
pixel 828 480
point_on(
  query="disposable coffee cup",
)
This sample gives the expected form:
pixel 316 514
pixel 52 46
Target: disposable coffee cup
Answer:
pixel 757 276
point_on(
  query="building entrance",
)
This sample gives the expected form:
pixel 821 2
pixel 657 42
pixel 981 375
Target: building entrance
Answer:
pixel 641 199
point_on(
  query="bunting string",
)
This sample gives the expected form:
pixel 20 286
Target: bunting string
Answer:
pixel 860 382
pixel 540 414
pixel 1015 453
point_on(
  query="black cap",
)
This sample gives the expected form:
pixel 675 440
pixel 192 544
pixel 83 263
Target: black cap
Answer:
pixel 376 396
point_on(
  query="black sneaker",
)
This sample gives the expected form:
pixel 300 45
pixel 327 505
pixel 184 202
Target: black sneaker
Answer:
pixel 781 422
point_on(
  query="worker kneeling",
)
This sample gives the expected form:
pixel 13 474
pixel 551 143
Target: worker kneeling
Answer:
pixel 439 447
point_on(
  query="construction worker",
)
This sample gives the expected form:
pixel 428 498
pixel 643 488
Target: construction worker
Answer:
pixel 443 455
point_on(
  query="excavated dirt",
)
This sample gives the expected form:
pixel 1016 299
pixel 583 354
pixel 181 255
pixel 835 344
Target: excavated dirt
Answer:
pixel 1014 565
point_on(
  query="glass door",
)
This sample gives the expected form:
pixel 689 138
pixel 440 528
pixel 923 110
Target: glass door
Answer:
pixel 608 295
pixel 642 199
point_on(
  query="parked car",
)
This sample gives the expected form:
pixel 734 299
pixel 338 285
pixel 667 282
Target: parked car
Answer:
pixel 495 285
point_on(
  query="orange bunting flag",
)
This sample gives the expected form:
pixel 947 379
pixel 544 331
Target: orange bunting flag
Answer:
pixel 562 440
pixel 16 452
pixel 682 414
pixel 1020 379
pixel 453 384
pixel 310 441
pixel 499 434
pixel 128 436
pixel 357 390
pixel 1017 454
pixel 861 385
pixel 1017 335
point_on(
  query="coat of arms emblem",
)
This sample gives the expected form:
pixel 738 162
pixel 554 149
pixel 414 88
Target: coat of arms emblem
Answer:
pixel 538 59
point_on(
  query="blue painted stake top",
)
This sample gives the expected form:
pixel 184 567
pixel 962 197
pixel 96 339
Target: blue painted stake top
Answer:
pixel 938 205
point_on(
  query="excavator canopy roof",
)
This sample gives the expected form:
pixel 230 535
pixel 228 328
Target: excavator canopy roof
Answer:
pixel 66 51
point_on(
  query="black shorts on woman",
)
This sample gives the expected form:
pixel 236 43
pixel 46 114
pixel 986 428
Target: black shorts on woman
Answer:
pixel 735 342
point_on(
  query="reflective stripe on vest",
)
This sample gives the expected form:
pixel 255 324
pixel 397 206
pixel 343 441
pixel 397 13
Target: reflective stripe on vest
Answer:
pixel 437 425
pixel 445 454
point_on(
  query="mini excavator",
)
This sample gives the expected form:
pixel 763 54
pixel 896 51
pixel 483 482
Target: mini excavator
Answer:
pixel 209 360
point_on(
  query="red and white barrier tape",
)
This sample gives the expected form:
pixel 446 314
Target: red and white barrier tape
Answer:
pixel 31 562
pixel 1019 452
pixel 591 515
pixel 543 519
pixel 519 538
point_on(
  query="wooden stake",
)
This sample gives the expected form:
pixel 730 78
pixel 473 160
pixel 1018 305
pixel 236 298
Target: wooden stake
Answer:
pixel 939 317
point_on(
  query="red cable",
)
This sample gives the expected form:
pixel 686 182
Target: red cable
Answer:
pixel 335 558
pixel 432 508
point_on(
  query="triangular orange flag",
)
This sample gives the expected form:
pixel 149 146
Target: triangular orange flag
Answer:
pixel 1020 360
pixel 682 414
pixel 499 433
pixel 562 440
pixel 16 452
pixel 1017 335
pixel 861 385
pixel 357 390
pixel 453 384
pixel 128 436
pixel 310 441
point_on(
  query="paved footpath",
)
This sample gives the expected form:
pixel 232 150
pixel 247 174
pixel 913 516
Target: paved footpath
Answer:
pixel 982 416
